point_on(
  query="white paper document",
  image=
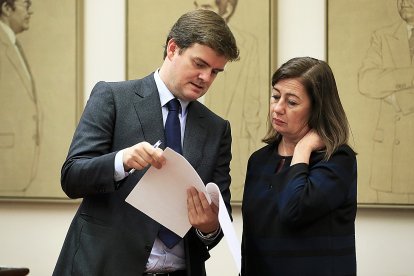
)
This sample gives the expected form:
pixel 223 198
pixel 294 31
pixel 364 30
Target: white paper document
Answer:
pixel 226 225
pixel 162 195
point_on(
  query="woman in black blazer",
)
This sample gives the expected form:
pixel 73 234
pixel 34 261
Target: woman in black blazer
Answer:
pixel 300 195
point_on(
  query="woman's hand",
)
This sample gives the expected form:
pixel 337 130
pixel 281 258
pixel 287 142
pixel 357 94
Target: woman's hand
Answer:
pixel 310 142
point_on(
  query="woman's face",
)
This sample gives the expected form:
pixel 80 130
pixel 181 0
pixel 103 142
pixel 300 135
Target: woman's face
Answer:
pixel 290 109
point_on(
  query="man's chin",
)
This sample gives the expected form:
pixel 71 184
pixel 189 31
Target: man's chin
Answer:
pixel 194 94
pixel 193 97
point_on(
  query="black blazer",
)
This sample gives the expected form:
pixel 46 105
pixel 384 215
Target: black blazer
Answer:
pixel 107 235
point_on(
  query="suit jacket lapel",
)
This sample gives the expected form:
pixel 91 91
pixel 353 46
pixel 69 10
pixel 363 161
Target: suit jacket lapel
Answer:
pixel 148 107
pixel 195 134
pixel 13 57
pixel 398 40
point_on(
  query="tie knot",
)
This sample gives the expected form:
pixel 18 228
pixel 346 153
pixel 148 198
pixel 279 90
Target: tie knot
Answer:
pixel 173 105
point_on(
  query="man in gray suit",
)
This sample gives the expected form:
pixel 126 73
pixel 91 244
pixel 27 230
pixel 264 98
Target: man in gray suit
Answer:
pixel 120 123
pixel 19 112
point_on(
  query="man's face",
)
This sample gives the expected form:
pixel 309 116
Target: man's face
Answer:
pixel 406 10
pixel 19 17
pixel 193 70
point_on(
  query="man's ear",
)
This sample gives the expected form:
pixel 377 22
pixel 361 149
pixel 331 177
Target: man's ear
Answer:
pixel 6 9
pixel 172 47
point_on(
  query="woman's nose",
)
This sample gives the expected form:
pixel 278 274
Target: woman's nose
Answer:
pixel 278 107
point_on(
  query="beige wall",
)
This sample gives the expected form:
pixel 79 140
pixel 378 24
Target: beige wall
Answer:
pixel 31 234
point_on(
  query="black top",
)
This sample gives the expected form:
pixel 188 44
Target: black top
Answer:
pixel 300 220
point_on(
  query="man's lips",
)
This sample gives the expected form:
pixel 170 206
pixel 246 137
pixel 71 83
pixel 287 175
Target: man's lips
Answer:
pixel 197 85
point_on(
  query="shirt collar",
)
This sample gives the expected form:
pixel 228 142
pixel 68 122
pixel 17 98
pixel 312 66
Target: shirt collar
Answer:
pixel 165 94
pixel 9 32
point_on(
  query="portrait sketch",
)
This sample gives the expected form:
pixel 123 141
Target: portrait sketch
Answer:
pixel 370 55
pixel 240 94
pixel 40 95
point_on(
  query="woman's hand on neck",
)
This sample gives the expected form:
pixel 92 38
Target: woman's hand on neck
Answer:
pixel 303 149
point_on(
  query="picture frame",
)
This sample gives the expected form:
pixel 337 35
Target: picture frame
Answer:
pixel 53 54
pixel 369 55
pixel 241 93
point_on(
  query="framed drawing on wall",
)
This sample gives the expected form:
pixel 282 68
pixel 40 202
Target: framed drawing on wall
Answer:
pixel 40 84
pixel 240 94
pixel 369 53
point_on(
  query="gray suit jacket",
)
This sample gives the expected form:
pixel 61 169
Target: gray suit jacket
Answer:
pixel 108 236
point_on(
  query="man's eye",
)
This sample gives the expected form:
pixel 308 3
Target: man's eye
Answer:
pixel 198 64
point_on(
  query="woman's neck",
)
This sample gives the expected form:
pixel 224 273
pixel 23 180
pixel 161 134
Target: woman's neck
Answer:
pixel 286 147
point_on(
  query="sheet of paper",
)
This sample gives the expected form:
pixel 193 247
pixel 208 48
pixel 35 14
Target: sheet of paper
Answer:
pixel 226 225
pixel 167 187
pixel 162 193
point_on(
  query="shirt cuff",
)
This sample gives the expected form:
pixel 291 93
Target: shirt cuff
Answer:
pixel 119 167
pixel 210 237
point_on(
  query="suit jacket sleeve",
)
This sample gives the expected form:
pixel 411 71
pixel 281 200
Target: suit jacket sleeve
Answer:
pixel 207 146
pixel 221 174
pixel 89 167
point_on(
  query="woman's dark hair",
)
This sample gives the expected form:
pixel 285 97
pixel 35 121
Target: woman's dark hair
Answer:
pixel 327 116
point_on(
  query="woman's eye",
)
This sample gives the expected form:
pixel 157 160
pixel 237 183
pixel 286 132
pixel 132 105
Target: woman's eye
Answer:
pixel 292 103
pixel 275 97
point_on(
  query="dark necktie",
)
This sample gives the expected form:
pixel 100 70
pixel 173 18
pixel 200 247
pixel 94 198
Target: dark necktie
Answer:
pixel 411 43
pixel 173 137
pixel 172 126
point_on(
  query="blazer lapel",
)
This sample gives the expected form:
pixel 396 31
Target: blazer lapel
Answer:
pixel 398 40
pixel 148 107
pixel 13 57
pixel 195 135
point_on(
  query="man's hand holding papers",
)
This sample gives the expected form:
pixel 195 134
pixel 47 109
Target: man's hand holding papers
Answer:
pixel 183 200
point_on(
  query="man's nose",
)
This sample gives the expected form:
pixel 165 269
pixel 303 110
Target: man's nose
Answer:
pixel 206 75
